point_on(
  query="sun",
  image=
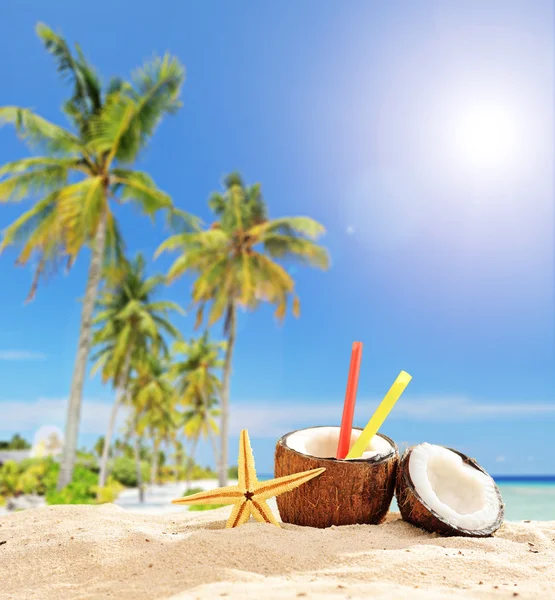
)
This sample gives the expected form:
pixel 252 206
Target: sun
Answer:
pixel 485 136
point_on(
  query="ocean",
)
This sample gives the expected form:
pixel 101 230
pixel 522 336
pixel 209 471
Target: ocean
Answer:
pixel 526 498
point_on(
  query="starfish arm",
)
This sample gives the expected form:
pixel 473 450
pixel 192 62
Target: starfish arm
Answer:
pixel 225 495
pixel 275 487
pixel 247 473
pixel 240 514
pixel 262 512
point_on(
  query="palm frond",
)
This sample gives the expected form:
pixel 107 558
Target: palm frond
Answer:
pixel 115 261
pixel 303 250
pixel 79 208
pixel 165 306
pixel 27 223
pixel 298 225
pixel 41 162
pixel 129 117
pixel 158 84
pixel 77 72
pixel 39 132
pixel 180 221
pixel 34 181
pixel 139 187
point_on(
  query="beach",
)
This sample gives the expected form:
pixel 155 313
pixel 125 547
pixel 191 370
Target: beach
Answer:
pixel 90 552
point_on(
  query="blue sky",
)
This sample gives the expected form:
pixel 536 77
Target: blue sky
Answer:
pixel 357 114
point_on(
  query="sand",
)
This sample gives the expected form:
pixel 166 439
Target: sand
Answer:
pixel 85 552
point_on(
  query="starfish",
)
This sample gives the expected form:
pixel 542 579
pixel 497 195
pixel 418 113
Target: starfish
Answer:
pixel 249 495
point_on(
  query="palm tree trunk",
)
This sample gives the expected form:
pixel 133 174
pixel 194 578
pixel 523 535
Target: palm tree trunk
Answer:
pixel 154 465
pixel 122 388
pixel 177 455
pixel 225 396
pixel 191 462
pixel 136 449
pixel 74 405
pixel 214 448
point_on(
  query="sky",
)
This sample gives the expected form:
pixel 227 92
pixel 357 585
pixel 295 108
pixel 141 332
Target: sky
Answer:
pixel 419 134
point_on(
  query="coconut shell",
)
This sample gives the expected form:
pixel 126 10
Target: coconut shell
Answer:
pixel 415 510
pixel 346 493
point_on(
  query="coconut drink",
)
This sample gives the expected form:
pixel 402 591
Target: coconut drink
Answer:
pixel 350 491
pixel 444 491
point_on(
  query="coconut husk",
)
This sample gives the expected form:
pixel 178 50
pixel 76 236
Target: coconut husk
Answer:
pixel 348 492
pixel 415 510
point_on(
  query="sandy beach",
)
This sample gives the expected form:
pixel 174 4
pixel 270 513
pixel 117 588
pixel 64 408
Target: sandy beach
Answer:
pixel 104 551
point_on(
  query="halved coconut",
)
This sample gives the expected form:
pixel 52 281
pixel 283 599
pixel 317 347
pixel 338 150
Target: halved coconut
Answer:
pixel 349 491
pixel 445 491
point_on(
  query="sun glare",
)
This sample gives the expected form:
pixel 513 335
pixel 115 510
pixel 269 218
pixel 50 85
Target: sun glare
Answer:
pixel 486 137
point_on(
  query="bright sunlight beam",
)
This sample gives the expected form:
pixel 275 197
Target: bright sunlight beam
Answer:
pixel 486 137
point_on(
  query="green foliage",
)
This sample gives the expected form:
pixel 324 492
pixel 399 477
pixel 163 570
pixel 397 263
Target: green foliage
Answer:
pixel 129 320
pixel 124 471
pixel 235 261
pixel 166 473
pixel 9 477
pixel 40 476
pixel 30 476
pixel 233 472
pixel 88 460
pixel 16 443
pixel 202 473
pixel 197 384
pixel 109 492
pixel 194 507
pixel 80 171
pixel 99 447
pixel 193 490
pixel 82 490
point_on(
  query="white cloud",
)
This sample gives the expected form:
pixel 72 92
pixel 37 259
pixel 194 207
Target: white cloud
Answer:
pixel 30 416
pixel 350 230
pixel 500 459
pixel 272 419
pixel 21 355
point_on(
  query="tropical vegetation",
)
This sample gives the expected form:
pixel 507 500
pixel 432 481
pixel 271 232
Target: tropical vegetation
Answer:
pixel 130 327
pixel 78 176
pixel 172 392
pixel 235 262
pixel 38 476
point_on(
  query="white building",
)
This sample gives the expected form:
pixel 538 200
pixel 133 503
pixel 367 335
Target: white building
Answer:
pixel 17 455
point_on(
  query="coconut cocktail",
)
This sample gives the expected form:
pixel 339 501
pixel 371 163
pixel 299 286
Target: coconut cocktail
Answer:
pixel 437 488
pixel 350 491
pixel 358 483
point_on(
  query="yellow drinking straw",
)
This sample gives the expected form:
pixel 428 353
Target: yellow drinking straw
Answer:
pixel 380 415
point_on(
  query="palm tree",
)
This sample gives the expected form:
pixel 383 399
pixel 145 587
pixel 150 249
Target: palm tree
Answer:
pixel 153 398
pixel 196 382
pixel 178 455
pixel 128 319
pixel 83 171
pixel 198 388
pixel 200 420
pixel 162 426
pixel 235 264
pixel 99 445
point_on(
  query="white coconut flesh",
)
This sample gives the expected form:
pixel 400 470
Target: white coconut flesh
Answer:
pixel 321 442
pixel 460 494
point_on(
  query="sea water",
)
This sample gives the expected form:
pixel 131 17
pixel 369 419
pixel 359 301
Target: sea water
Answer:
pixel 525 498
pixel 528 498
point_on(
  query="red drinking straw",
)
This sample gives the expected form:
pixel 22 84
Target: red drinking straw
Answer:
pixel 349 405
